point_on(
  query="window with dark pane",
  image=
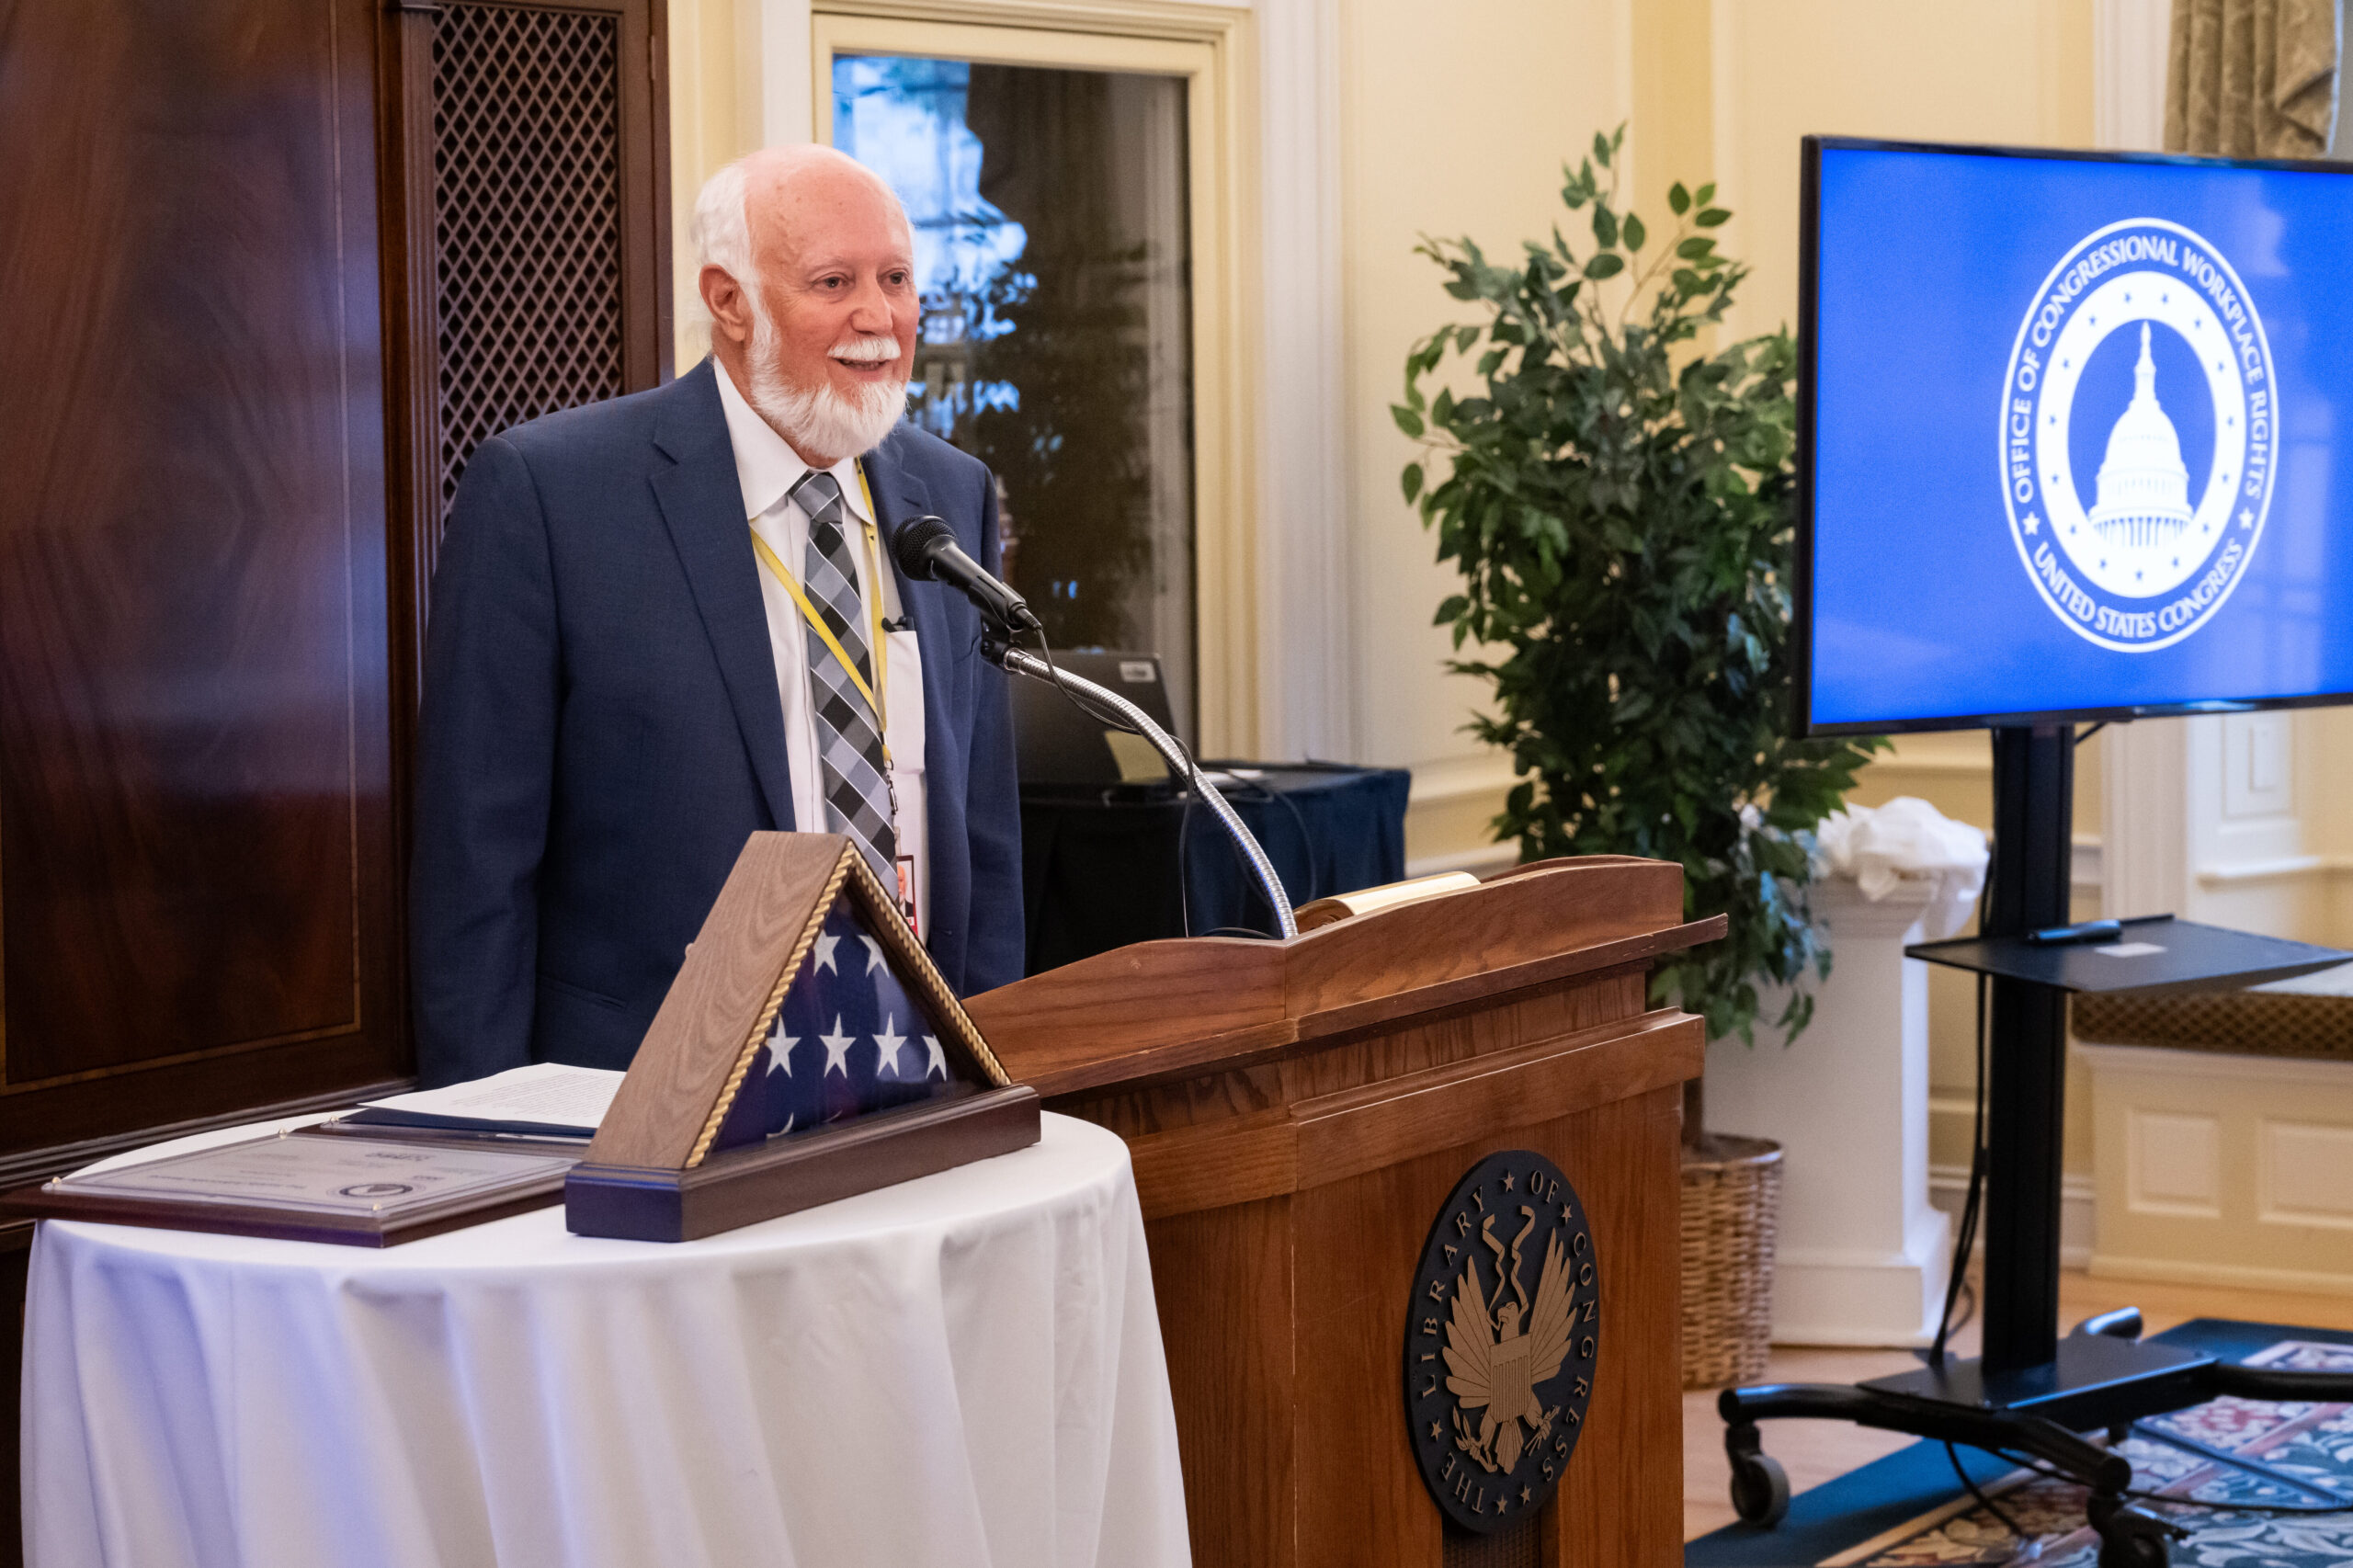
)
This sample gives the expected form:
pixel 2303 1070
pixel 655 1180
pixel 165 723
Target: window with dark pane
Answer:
pixel 1051 247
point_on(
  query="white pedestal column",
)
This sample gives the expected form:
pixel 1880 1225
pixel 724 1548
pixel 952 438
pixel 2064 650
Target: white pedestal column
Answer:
pixel 1862 1256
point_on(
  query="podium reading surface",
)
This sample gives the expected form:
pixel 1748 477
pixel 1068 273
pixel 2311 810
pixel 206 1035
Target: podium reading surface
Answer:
pixel 961 1368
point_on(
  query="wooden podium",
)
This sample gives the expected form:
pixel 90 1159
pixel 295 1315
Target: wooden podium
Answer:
pixel 1300 1113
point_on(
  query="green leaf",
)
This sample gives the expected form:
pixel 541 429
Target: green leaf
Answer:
pixel 1715 216
pixel 1678 200
pixel 1695 248
pixel 1633 233
pixel 1413 482
pixel 1606 264
pixel 1704 195
pixel 1407 420
pixel 1605 226
pixel 1601 149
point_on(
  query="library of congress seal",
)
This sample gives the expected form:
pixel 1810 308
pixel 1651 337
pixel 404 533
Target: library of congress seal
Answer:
pixel 1500 1338
pixel 2159 548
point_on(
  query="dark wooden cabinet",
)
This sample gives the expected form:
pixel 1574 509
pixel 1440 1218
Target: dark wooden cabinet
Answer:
pixel 268 269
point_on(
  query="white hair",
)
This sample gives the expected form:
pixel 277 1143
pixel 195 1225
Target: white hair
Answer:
pixel 721 229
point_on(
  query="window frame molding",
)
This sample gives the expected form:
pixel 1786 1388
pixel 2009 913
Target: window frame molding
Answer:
pixel 751 59
pixel 1211 48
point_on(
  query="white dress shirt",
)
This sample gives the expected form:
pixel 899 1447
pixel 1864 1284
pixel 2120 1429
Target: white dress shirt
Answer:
pixel 768 469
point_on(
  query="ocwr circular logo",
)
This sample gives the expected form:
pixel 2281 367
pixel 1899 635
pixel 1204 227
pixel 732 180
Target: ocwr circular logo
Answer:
pixel 2138 422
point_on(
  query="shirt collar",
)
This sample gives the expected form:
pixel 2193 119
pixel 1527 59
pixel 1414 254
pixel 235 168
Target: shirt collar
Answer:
pixel 765 465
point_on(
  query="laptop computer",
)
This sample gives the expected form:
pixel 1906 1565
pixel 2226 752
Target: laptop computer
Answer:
pixel 1061 748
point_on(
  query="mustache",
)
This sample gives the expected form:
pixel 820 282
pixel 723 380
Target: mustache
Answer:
pixel 867 350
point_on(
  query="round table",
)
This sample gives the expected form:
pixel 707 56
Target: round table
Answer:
pixel 965 1368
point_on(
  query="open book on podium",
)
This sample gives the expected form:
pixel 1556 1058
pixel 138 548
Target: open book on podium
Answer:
pixel 1410 1184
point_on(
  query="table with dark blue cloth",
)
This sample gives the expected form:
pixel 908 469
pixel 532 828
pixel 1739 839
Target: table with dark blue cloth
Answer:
pixel 1099 873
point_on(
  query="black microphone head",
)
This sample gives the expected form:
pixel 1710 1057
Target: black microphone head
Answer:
pixel 917 541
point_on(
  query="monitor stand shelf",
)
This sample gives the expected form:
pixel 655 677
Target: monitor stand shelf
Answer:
pixel 2033 1393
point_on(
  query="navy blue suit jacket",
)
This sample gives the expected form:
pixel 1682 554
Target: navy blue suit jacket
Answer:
pixel 602 729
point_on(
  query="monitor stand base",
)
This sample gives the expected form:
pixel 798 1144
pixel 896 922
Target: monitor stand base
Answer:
pixel 2101 1378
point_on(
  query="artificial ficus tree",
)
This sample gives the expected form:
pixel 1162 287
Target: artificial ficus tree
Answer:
pixel 1620 503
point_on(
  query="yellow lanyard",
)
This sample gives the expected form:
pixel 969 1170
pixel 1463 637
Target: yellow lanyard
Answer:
pixel 783 575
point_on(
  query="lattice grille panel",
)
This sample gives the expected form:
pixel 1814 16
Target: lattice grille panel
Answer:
pixel 526 157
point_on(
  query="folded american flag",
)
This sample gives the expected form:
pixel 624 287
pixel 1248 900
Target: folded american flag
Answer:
pixel 850 1039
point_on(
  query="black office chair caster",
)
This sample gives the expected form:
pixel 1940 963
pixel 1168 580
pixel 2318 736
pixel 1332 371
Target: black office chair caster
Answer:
pixel 1760 1487
pixel 2129 1537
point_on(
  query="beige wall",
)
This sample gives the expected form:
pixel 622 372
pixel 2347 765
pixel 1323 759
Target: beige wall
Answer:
pixel 2004 71
pixel 715 103
pixel 1425 152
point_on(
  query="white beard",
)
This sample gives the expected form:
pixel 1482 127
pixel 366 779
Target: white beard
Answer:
pixel 819 419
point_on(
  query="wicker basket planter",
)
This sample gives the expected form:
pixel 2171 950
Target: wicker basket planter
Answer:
pixel 1731 1200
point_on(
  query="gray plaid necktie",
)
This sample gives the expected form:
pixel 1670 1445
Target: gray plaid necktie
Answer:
pixel 850 735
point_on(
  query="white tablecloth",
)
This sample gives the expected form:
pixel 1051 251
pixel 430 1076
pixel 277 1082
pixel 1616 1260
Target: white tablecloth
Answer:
pixel 961 1369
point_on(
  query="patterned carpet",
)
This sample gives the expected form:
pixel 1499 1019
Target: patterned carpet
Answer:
pixel 2312 1443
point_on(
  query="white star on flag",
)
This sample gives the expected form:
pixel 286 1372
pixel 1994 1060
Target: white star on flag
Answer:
pixel 873 953
pixel 837 1046
pixel 780 1046
pixel 886 1047
pixel 2032 523
pixel 938 1062
pixel 825 945
pixel 2246 519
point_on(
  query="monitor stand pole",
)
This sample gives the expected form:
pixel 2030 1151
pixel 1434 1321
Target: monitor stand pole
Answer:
pixel 2034 819
pixel 2032 1393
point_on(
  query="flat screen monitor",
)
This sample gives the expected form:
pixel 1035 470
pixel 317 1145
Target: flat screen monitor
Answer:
pixel 2068 442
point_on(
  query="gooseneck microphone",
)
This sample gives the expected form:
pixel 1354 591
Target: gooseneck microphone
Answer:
pixel 926 550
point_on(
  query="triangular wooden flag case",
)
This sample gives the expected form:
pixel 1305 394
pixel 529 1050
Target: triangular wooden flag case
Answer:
pixel 807 1050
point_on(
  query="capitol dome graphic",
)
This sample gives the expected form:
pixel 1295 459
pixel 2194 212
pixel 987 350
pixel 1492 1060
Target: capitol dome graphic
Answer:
pixel 2143 486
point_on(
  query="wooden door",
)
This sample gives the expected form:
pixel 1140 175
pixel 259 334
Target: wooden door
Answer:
pixel 225 239
pixel 197 891
pixel 198 882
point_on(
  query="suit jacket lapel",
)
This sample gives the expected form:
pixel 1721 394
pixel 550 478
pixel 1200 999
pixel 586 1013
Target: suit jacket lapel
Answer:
pixel 702 502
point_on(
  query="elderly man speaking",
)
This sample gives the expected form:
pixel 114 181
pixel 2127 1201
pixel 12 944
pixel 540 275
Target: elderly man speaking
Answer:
pixel 666 622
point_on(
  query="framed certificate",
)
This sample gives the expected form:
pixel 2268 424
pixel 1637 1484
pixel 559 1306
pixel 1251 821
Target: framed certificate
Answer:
pixel 357 1191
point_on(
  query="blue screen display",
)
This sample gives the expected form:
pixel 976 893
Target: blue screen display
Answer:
pixel 2074 436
